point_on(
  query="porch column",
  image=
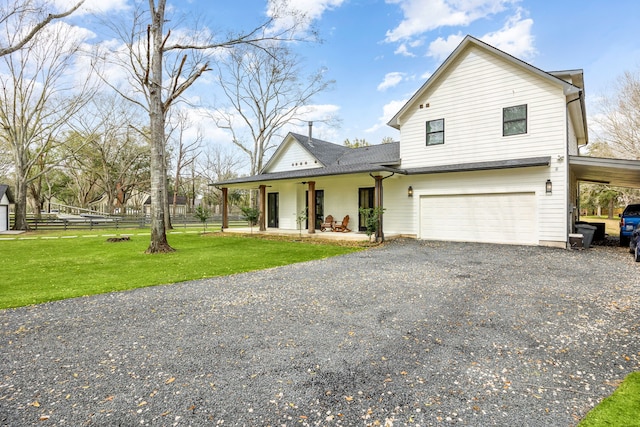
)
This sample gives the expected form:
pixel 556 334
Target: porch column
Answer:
pixel 262 199
pixel 311 214
pixel 225 207
pixel 378 204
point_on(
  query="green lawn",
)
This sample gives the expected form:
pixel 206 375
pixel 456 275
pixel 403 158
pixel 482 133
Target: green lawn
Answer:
pixel 612 226
pixel 48 269
pixel 622 408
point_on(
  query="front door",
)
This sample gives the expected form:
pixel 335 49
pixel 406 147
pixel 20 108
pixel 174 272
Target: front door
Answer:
pixel 319 208
pixel 272 210
pixel 365 200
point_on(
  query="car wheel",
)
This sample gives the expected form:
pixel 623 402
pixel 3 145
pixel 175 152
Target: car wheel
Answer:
pixel 637 254
pixel 624 240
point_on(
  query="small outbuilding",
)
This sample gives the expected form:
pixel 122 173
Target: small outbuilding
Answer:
pixel 5 200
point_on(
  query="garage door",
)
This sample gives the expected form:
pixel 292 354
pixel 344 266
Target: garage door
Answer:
pixel 491 218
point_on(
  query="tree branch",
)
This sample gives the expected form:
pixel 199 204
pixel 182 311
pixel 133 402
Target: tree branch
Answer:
pixel 37 28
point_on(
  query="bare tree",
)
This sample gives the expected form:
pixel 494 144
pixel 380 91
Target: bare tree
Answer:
pixel 217 164
pixel 265 90
pixel 184 151
pixel 161 68
pixel 113 153
pixel 30 16
pixel 619 121
pixel 37 97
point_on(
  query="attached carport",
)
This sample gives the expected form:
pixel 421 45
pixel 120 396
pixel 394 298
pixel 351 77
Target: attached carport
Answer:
pixel 616 172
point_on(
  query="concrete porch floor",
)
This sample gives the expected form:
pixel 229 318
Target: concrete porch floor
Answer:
pixel 327 235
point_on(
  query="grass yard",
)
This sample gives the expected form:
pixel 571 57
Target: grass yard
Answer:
pixel 619 409
pixel 612 226
pixel 49 269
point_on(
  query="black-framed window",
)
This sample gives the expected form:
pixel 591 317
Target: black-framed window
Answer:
pixel 435 132
pixel 514 120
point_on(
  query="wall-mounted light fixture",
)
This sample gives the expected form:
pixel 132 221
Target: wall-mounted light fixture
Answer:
pixel 410 191
pixel 548 187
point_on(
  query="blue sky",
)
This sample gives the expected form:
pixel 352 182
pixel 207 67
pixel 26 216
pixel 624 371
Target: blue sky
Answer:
pixel 380 52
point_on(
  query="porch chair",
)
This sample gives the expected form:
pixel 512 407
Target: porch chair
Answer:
pixel 342 227
pixel 327 224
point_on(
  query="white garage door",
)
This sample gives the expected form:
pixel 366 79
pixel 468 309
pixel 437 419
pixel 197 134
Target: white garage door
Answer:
pixel 491 218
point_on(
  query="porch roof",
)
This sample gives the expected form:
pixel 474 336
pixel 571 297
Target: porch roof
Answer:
pixel 308 173
pixel 5 189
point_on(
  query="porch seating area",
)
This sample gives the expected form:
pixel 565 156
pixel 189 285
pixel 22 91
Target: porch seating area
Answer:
pixel 330 224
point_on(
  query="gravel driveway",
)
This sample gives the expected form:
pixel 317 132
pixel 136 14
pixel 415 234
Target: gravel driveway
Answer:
pixel 410 333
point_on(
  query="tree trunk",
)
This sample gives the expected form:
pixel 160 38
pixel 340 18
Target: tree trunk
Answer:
pixel 21 205
pixel 158 242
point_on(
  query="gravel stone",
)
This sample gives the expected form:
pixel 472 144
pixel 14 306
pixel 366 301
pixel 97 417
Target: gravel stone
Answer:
pixel 409 333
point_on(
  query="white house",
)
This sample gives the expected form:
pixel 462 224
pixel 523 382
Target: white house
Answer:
pixel 488 152
pixel 5 200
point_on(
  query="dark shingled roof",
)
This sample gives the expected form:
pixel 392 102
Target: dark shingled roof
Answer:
pixel 341 160
pixel 336 160
pixel 326 152
pixel 5 189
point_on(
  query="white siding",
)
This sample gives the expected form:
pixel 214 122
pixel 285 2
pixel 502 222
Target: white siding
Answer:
pixel 4 217
pixel 470 97
pixel 403 213
pixel 293 157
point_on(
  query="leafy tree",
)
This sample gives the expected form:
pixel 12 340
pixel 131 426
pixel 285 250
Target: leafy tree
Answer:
pixel 372 218
pixel 203 215
pixel 301 217
pixel 357 143
pixel 251 215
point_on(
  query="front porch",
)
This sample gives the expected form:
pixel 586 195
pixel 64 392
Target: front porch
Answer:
pixel 322 235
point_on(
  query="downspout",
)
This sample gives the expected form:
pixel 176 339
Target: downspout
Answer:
pixel 570 220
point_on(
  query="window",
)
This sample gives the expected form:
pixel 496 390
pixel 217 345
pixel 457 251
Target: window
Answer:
pixel 514 120
pixel 435 132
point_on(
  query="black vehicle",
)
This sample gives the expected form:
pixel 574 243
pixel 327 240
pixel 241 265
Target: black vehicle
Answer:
pixel 633 243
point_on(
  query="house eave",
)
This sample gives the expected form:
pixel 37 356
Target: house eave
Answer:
pixel 480 166
pixel 307 174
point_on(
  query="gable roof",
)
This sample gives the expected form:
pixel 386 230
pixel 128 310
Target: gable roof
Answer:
pixel 468 42
pixel 336 160
pixel 324 152
pixel 5 189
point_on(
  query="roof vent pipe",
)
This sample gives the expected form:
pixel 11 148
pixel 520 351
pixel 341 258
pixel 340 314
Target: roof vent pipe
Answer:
pixel 310 130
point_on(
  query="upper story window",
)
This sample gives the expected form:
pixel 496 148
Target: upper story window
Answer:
pixel 514 120
pixel 435 132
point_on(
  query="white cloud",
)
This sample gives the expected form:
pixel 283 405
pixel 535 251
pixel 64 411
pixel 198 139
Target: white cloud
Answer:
pixel 441 48
pixel 388 111
pixel 421 16
pixel 298 13
pixel 403 50
pixel 514 38
pixel 391 80
pixel 93 6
